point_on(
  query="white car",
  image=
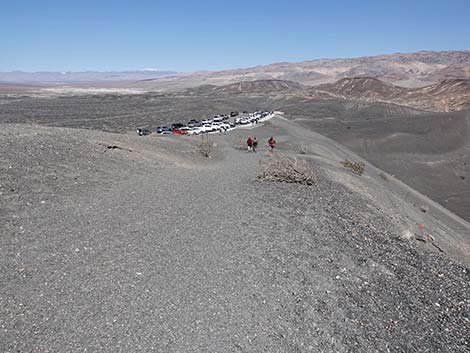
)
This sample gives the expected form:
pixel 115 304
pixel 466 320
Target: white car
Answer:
pixel 207 121
pixel 206 128
pixel 185 130
pixel 215 126
pixel 195 131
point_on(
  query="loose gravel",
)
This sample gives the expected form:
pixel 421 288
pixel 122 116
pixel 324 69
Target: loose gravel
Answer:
pixel 161 250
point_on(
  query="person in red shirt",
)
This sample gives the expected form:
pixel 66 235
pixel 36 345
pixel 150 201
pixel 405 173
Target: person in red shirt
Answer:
pixel 249 143
pixel 272 143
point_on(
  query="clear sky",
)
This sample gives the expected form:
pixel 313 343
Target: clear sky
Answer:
pixel 190 35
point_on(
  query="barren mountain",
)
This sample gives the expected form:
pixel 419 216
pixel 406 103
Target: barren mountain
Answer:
pixel 409 69
pixel 455 71
pixel 259 87
pixel 364 88
pixel 448 95
pixel 404 69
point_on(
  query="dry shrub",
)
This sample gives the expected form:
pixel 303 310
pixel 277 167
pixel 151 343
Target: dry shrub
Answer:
pixel 205 148
pixel 383 176
pixel 355 167
pixel 285 169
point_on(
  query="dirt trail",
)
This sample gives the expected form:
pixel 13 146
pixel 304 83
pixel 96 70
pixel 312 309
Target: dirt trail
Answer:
pixel 148 254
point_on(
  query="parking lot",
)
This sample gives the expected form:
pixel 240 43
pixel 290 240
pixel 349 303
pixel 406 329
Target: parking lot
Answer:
pixel 218 124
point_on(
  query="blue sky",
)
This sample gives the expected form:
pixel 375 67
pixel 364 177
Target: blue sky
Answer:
pixel 207 35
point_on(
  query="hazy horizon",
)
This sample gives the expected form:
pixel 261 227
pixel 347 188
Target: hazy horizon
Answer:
pixel 202 70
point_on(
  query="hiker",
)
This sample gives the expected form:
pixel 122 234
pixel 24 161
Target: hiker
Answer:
pixel 255 144
pixel 272 143
pixel 249 143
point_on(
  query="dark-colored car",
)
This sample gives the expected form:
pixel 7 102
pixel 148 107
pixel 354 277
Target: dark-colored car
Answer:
pixel 232 114
pixel 143 132
pixel 163 130
pixel 176 126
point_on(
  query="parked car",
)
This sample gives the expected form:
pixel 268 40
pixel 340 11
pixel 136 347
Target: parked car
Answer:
pixel 176 126
pixel 195 131
pixel 181 131
pixel 233 114
pixel 206 128
pixel 163 130
pixel 143 132
pixel 185 130
pixel 215 127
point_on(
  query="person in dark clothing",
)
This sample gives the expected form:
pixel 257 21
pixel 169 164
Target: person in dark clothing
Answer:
pixel 255 144
pixel 249 143
pixel 272 143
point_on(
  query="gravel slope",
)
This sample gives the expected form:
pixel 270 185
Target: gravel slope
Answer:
pixel 150 247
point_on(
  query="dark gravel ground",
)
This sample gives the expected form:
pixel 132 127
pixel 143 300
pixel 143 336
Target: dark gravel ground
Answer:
pixel 428 151
pixel 159 249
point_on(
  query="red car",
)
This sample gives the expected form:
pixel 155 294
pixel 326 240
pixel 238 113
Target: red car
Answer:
pixel 181 131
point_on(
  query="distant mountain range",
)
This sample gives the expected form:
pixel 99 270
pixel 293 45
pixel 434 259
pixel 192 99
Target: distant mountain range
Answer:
pixel 433 81
pixel 408 70
pixel 53 77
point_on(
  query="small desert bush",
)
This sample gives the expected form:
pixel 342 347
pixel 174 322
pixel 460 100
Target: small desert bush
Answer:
pixel 383 176
pixel 205 148
pixel 355 167
pixel 285 169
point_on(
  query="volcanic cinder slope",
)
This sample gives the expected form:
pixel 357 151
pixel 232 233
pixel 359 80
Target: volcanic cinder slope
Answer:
pixel 425 149
pixel 112 242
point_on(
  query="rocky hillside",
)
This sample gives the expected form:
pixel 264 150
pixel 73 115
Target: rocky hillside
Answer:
pixel 447 95
pixel 362 88
pixel 264 87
